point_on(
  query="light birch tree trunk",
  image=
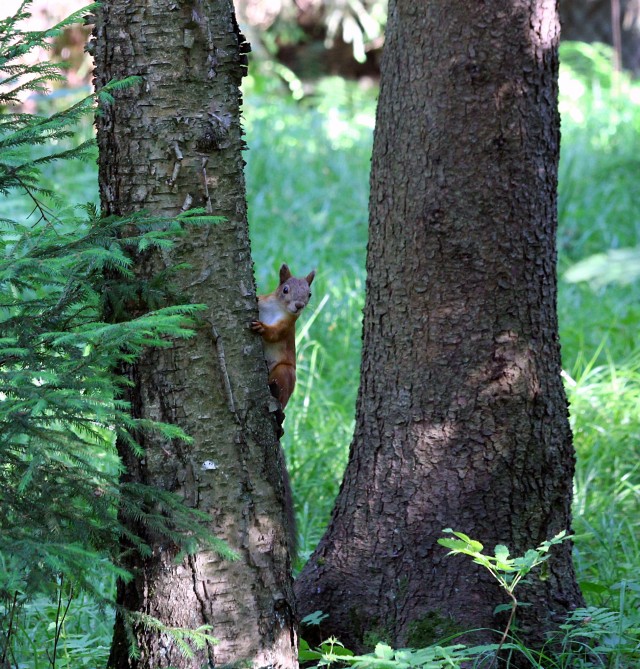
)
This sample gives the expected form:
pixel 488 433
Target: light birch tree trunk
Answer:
pixel 171 143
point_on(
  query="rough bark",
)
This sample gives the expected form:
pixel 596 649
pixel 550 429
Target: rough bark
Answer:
pixel 461 414
pixel 172 142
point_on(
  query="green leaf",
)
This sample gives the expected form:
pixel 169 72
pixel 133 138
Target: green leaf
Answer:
pixel 383 651
pixel 596 588
pixel 471 543
pixel 454 544
pixel 460 546
pixel 337 651
pixel 305 653
pixel 314 618
pixel 501 552
pixel 557 539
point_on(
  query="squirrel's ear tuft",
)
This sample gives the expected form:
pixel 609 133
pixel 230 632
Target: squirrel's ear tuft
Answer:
pixel 309 277
pixel 285 272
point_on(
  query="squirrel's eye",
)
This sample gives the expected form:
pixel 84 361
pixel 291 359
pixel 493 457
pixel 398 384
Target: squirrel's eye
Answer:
pixel 285 290
pixel 310 293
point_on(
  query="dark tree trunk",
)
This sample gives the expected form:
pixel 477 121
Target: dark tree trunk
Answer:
pixel 461 414
pixel 171 142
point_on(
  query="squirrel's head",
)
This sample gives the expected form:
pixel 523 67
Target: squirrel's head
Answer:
pixel 293 292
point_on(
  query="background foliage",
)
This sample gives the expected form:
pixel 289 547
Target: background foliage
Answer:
pixel 307 177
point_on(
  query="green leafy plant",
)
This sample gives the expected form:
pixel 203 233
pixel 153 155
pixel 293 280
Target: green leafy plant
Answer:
pixel 595 637
pixel 386 657
pixel 507 571
pixel 329 652
pixel 590 638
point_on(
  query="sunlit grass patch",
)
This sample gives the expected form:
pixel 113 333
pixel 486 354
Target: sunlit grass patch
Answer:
pixel 605 408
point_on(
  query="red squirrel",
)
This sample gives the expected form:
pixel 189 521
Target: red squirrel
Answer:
pixel 278 312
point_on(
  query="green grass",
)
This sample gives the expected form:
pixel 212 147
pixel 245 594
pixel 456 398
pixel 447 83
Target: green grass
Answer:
pixel 599 204
pixel 598 201
pixel 85 637
pixel 605 401
pixel 307 181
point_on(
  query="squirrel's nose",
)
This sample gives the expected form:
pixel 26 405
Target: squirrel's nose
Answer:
pixel 299 305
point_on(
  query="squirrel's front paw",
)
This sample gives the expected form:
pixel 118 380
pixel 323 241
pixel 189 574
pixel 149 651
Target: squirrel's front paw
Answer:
pixel 257 326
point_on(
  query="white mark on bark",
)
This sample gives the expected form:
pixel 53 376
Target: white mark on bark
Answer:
pixel 188 201
pixel 222 117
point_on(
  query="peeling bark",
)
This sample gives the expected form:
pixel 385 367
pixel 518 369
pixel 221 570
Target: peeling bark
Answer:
pixel 461 414
pixel 170 143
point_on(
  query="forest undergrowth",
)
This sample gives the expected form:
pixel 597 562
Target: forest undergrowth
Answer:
pixel 307 181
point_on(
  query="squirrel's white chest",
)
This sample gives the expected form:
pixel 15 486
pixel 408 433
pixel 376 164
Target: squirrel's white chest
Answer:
pixel 270 312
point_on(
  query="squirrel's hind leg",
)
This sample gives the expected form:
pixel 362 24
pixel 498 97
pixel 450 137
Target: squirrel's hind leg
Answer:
pixel 282 381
